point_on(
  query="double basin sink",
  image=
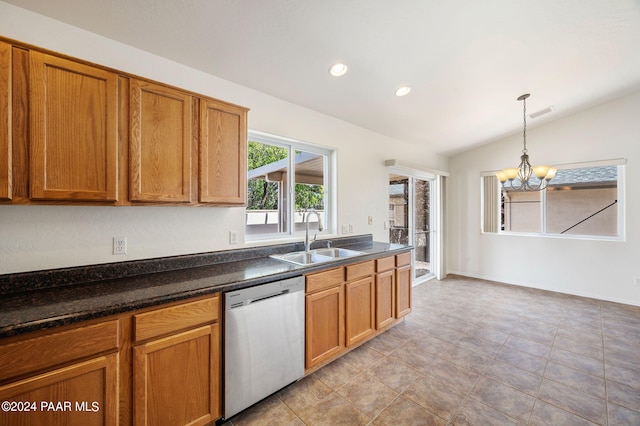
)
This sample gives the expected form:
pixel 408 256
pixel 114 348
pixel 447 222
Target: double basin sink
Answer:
pixel 316 256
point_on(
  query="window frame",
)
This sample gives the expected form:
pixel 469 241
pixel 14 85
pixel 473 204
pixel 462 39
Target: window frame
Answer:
pixel 329 179
pixel 621 228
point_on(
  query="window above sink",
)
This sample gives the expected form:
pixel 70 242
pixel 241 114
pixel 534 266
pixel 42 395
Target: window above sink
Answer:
pixel 278 167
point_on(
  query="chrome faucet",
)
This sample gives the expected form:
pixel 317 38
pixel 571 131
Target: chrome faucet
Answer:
pixel 306 232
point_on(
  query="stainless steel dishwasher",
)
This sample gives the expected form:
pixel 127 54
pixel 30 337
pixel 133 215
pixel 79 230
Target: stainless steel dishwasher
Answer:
pixel 264 341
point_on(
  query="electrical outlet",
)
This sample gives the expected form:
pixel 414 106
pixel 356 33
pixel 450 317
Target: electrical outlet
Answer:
pixel 370 220
pixel 345 229
pixel 233 237
pixel 636 280
pixel 119 245
pixel 350 228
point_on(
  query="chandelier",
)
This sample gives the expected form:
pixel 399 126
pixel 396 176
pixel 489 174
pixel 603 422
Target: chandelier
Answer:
pixel 525 171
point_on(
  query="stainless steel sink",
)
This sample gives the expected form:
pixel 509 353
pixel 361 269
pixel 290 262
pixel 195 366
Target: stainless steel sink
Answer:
pixel 316 256
pixel 337 252
pixel 302 258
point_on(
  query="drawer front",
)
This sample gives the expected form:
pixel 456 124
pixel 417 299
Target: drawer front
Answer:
pixel 323 280
pixel 359 270
pixel 385 263
pixel 403 259
pixel 174 318
pixel 50 350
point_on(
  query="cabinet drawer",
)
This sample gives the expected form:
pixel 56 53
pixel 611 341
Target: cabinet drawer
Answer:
pixel 326 279
pixel 174 318
pixel 385 263
pixel 359 270
pixel 403 259
pixel 54 349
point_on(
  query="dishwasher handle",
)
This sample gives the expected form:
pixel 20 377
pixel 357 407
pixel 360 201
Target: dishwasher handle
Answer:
pixel 248 296
pixel 246 302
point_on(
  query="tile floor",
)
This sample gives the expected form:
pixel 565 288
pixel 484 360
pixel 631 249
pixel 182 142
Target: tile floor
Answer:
pixel 474 352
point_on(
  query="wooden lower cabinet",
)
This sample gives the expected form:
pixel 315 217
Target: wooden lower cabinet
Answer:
pixel 84 393
pixel 177 379
pixel 403 291
pixel 403 284
pixel 324 325
pixel 360 310
pixel 158 366
pixel 360 302
pixel 177 365
pixel 385 299
pixel 67 376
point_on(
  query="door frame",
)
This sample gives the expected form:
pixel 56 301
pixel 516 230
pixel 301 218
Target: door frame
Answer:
pixel 436 200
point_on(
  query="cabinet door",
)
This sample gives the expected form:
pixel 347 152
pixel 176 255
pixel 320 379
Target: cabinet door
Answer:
pixel 176 380
pixel 403 291
pixel 385 298
pixel 81 394
pixel 223 153
pixel 324 325
pixel 359 310
pixel 160 143
pixel 5 122
pixel 74 133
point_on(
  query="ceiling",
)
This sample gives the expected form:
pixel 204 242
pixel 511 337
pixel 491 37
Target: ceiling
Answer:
pixel 466 61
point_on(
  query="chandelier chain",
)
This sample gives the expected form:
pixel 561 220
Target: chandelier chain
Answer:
pixel 524 127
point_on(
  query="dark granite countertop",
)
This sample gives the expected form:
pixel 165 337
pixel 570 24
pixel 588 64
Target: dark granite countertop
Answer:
pixel 46 299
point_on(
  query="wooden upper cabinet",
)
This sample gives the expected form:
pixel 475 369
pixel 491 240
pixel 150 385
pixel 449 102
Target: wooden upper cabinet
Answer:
pixel 5 122
pixel 223 153
pixel 160 149
pixel 73 129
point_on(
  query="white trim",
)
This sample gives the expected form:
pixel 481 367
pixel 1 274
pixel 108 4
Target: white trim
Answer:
pixel 411 170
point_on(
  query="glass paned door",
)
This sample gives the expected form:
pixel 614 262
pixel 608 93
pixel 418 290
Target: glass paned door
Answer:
pixel 422 228
pixel 411 221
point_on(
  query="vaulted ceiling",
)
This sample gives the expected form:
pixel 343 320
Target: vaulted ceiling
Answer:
pixel 465 61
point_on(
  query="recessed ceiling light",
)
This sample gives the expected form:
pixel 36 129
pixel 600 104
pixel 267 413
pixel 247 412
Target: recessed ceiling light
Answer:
pixel 403 91
pixel 338 70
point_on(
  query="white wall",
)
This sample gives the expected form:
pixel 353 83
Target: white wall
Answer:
pixel 43 237
pixel 600 269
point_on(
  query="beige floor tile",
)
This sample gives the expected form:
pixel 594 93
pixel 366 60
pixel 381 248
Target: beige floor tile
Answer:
pixel 337 373
pixel 576 379
pixel 516 378
pixel 394 374
pixel 368 394
pixel 622 416
pixel 333 410
pixel 546 414
pixel 271 411
pixel 474 413
pixel 587 406
pixel 449 374
pixel 434 396
pixel 405 412
pixel 503 398
pixel 304 393
pixel 525 361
